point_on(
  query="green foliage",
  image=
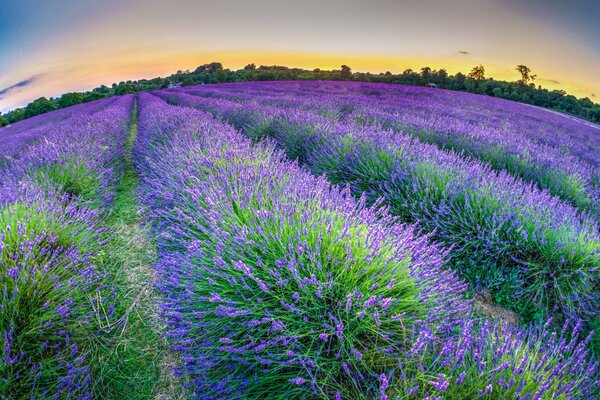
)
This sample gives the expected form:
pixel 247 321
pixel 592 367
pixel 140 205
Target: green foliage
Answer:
pixel 46 282
pixel 3 121
pixel 74 179
pixel 133 353
pixel 124 88
pixel 39 106
pixel 526 75
pixel 188 82
pixel 16 115
pixel 477 73
pixel 91 96
pixel 125 351
pixel 346 73
pixel 335 249
pixel 69 99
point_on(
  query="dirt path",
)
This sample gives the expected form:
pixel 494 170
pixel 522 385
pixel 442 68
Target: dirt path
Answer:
pixel 571 117
pixel 141 327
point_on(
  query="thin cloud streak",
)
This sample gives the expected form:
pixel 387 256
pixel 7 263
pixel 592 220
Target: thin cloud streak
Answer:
pixel 17 85
pixel 553 81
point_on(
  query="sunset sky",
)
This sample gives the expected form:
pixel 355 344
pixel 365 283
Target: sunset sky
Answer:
pixel 50 47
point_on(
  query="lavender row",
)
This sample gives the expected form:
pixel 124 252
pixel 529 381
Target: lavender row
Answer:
pixel 557 154
pixel 60 153
pixel 227 226
pixel 536 254
pixel 14 138
pixel 575 136
pixel 56 301
pixel 278 285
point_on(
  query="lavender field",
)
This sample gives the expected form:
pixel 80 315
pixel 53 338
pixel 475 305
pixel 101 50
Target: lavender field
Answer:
pixel 300 240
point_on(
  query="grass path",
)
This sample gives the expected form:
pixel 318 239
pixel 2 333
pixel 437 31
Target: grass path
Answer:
pixel 139 360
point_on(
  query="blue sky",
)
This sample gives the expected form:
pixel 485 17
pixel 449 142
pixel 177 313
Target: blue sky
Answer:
pixel 49 47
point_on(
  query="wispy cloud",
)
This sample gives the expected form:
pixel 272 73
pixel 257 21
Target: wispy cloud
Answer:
pixel 464 52
pixel 553 81
pixel 16 85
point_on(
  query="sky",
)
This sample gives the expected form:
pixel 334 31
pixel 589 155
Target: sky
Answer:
pixel 51 47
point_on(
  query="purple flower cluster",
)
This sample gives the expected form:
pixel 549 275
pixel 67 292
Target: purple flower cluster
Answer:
pixel 278 285
pixel 267 268
pixel 525 246
pixel 15 138
pixel 54 298
pixel 555 151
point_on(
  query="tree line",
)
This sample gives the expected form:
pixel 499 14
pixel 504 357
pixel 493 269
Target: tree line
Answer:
pixel 523 90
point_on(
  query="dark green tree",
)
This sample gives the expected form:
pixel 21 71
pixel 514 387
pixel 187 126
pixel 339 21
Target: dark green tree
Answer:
pixel 16 115
pixel 70 99
pixel 188 82
pixel 102 89
pixel 210 68
pixel 220 76
pixel 459 81
pixel 426 74
pixel 345 73
pixel 124 88
pixel 3 121
pixel 440 76
pixel 526 75
pixel 39 106
pixel 91 96
pixel 477 73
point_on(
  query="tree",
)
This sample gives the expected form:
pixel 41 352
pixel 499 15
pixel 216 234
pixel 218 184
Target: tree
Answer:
pixel 210 68
pixel 3 121
pixel 477 73
pixel 220 75
pixel 440 76
pixel 188 82
pixel 250 67
pixel 459 81
pixel 525 72
pixel 124 88
pixel 39 106
pixel 16 115
pixel 163 83
pixel 91 96
pixel 345 73
pixel 70 99
pixel 426 73
pixel 103 89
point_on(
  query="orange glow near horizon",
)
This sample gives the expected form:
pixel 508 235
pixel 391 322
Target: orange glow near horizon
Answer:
pixel 63 46
pixel 81 76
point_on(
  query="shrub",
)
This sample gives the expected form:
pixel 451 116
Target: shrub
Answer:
pixel 275 283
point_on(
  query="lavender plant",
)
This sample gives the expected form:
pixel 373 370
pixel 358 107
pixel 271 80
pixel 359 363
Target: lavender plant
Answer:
pixel 15 138
pixel 288 285
pixel 278 285
pixel 556 152
pixel 534 253
pixel 50 286
pixel 56 300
